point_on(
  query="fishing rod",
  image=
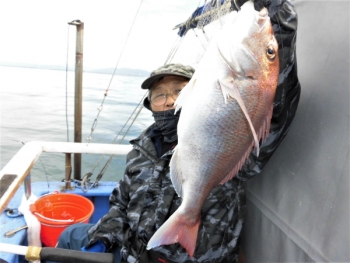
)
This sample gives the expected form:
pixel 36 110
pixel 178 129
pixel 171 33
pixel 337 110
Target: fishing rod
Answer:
pixel 57 254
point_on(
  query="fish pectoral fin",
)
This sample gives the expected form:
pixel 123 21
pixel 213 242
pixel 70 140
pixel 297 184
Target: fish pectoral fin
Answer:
pixel 175 172
pixel 238 166
pixel 185 94
pixel 228 177
pixel 229 89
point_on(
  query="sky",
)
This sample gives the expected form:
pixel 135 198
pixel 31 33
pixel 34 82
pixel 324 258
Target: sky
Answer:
pixel 37 32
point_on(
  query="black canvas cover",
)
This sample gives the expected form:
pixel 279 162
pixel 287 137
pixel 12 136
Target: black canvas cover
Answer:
pixel 298 207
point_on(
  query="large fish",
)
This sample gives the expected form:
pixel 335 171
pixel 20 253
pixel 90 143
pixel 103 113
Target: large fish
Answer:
pixel 226 111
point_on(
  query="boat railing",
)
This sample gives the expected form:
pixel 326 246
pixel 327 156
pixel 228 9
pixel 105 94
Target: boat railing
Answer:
pixel 17 170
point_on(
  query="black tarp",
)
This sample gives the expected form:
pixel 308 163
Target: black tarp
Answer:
pixel 298 207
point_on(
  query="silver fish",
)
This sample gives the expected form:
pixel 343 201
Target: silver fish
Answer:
pixel 226 111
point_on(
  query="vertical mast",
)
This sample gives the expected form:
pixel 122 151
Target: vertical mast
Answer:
pixel 78 94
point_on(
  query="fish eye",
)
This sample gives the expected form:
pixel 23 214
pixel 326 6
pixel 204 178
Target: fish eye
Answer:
pixel 270 52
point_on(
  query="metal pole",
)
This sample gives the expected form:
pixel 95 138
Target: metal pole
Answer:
pixel 68 171
pixel 78 94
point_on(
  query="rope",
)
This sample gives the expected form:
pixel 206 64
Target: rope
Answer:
pixel 171 55
pixel 85 180
pixel 174 50
pixel 114 71
pixel 138 113
pixel 139 106
pixel 200 41
pixel 115 138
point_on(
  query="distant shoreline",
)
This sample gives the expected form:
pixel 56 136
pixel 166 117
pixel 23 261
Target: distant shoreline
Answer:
pixel 119 71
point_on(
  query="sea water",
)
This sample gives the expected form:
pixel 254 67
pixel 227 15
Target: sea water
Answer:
pixel 38 105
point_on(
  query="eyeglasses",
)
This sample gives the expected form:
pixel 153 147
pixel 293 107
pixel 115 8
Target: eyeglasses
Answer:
pixel 160 99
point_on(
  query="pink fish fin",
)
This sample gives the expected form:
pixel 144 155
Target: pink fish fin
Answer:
pixel 238 166
pixel 262 134
pixel 185 94
pixel 265 128
pixel 175 172
pixel 230 89
pixel 176 230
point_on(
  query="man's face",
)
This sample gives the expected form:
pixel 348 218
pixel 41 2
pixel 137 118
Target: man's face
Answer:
pixel 165 92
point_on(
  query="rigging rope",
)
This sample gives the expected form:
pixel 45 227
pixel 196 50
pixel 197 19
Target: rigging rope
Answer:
pixel 85 180
pixel 115 69
pixel 173 51
pixel 88 175
pixel 177 44
pixel 112 156
pixel 139 106
pixel 115 138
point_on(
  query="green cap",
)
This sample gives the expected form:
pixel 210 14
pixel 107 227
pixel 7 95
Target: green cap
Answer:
pixel 169 69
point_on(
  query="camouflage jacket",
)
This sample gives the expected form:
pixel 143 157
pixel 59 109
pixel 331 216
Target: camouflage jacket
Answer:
pixel 145 199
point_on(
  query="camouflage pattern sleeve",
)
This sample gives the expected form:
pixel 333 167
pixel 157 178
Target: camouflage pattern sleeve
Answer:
pixel 111 227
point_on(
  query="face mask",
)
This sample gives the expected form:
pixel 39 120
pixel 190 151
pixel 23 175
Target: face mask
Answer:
pixel 166 122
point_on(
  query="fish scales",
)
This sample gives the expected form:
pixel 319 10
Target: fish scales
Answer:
pixel 226 111
pixel 221 126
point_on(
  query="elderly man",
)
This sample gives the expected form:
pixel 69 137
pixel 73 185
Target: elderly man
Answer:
pixel 145 198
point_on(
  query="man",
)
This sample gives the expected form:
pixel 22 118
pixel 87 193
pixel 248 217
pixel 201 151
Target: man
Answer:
pixel 145 198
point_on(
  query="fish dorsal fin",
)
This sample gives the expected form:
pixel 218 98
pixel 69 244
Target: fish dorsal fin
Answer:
pixel 175 172
pixel 230 89
pixel 185 94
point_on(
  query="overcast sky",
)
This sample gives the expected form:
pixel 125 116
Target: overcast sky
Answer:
pixel 36 31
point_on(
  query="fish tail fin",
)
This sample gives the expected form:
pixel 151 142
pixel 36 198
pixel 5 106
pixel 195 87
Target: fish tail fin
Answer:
pixel 176 230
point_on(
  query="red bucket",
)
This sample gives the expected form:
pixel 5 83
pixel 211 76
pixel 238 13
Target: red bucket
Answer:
pixel 57 211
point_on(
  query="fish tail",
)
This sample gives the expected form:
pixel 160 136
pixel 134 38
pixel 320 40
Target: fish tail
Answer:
pixel 176 230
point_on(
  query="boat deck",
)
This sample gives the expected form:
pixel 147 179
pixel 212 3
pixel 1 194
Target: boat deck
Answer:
pixel 98 195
